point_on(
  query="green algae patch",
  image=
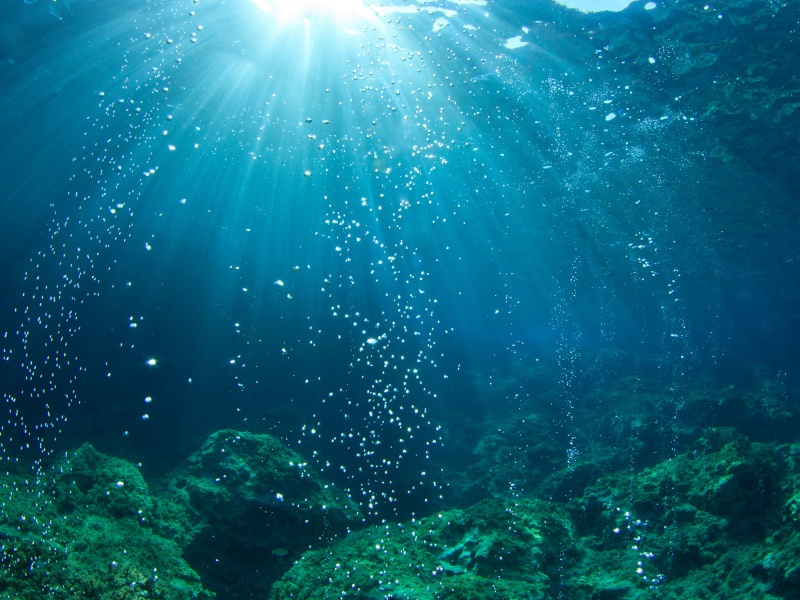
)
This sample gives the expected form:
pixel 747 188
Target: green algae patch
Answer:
pixel 234 471
pixel 245 506
pixel 82 530
pixel 700 525
pixel 491 549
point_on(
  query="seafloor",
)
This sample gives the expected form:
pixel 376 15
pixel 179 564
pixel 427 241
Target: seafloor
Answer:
pixel 247 517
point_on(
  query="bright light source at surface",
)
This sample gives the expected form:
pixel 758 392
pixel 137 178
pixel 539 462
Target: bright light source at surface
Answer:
pixel 341 11
pixel 591 6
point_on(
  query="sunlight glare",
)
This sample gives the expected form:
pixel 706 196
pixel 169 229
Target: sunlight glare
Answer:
pixel 341 11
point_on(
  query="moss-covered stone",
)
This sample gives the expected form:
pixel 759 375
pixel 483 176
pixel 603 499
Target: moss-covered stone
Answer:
pixel 720 519
pixel 245 506
pixel 514 459
pixel 105 485
pixel 234 471
pixel 693 526
pixel 492 549
pixel 83 530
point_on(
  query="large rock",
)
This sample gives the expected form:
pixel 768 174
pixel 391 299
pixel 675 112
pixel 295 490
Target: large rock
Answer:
pixel 84 530
pixel 492 549
pixel 698 525
pixel 253 506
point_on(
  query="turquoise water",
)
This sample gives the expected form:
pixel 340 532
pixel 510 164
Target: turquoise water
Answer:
pixel 384 233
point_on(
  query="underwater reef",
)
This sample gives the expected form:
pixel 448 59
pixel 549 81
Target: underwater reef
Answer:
pixel 86 529
pixel 633 489
pixel 245 516
pixel 242 507
pixel 245 506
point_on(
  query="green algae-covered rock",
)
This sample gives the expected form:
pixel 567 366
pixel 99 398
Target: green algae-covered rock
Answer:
pixel 249 506
pixel 492 549
pixel 103 485
pixel 502 467
pixel 235 471
pixel 82 530
pixel 780 563
pixel 694 526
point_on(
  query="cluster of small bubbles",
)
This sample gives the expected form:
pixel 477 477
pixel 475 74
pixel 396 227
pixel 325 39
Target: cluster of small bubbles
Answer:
pixel 635 531
pixel 394 348
pixel 400 87
pixel 64 281
pixel 380 288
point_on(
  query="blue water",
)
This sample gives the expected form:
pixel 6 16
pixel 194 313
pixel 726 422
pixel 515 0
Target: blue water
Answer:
pixel 351 232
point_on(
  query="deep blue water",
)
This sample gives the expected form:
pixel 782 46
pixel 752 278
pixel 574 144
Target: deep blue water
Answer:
pixel 361 227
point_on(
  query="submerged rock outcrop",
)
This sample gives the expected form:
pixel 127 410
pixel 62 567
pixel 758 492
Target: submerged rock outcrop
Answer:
pixel 490 549
pixel 85 529
pixel 248 506
pixel 241 509
pixel 719 520
pixel 246 516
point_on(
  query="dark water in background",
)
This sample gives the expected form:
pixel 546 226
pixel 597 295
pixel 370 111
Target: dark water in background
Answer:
pixel 445 216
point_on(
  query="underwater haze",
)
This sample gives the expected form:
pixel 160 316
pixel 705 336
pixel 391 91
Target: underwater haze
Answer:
pixel 399 299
